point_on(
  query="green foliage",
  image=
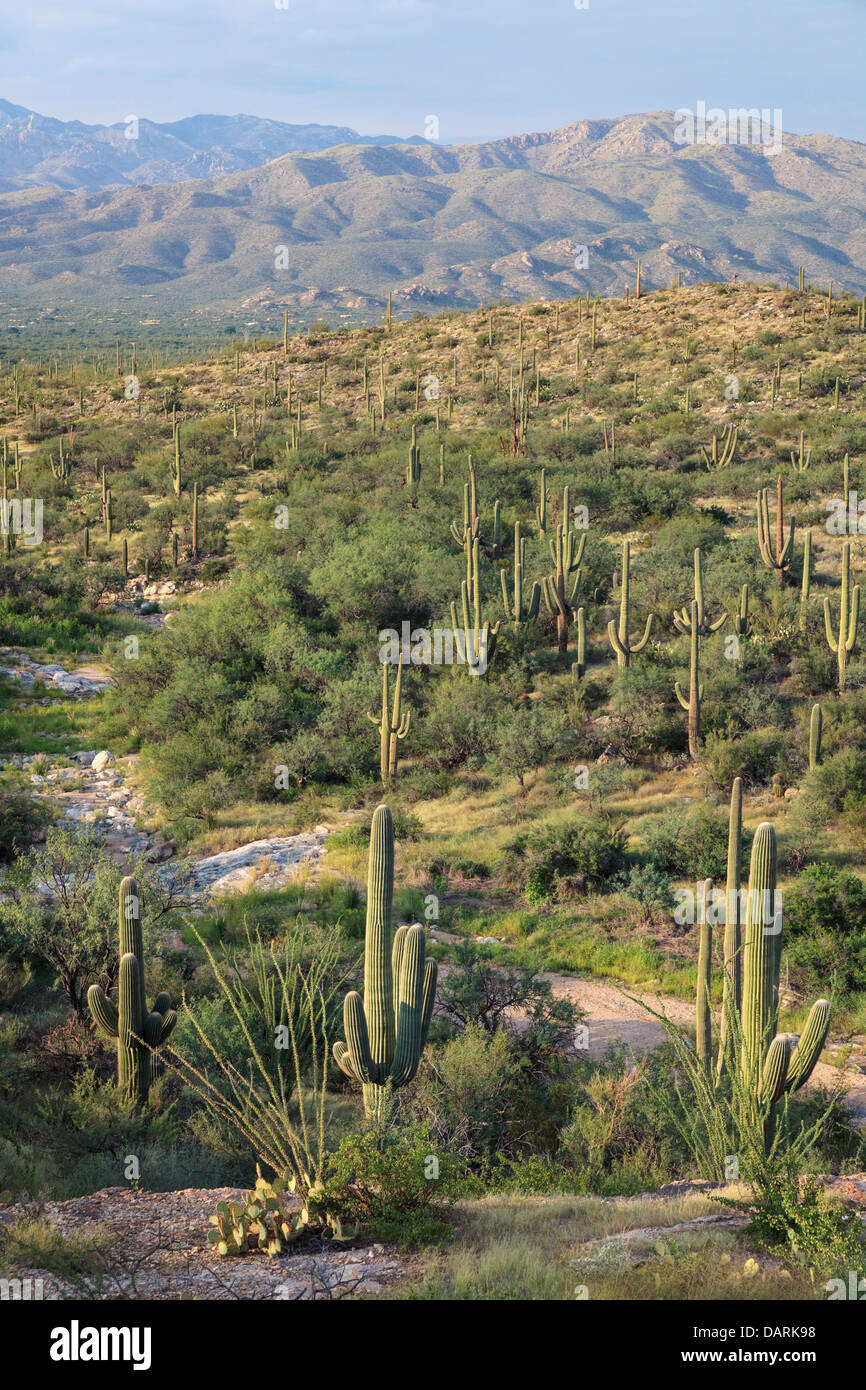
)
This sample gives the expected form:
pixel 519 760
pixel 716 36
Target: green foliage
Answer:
pixel 793 1213
pixel 586 852
pixel 397 1186
pixel 688 842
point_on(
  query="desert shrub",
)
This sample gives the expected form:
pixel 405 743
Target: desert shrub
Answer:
pixel 688 842
pixel 794 1213
pixel 21 818
pixel 586 852
pixel 825 929
pixel 470 1092
pixel 480 993
pixel 616 1138
pixel 755 756
pixel 397 1186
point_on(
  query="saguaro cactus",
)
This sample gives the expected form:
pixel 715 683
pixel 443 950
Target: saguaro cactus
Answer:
pixel 392 727
pixel 177 466
pixel 471 521
pixel 732 983
pixel 578 668
pixel 769 1066
pixel 618 636
pixel 541 509
pixel 517 610
pixel 138 1032
pixel 803 457
pixel 742 624
pixel 816 730
pixel 683 619
pixel 779 558
pixel 476 639
pixel 849 616
pixel 413 468
pixel 696 689
pixel 566 554
pixel 722 448
pixel 386 1030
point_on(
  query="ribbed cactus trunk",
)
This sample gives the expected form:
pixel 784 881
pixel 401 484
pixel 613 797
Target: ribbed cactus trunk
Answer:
pixel 618 634
pixel 732 984
pixel 703 1011
pixel 378 977
pixel 849 616
pixel 760 973
pixel 816 729
pixel 387 1030
pixel 138 1032
pixel 696 690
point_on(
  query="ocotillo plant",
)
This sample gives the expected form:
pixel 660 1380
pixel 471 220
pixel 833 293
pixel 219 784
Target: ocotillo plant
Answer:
pixel 618 636
pixel 849 615
pixel 696 689
pixel 138 1032
pixel 780 558
pixel 517 610
pixel 732 983
pixel 683 619
pixel 816 730
pixel 557 587
pixel 386 1030
pixel 392 726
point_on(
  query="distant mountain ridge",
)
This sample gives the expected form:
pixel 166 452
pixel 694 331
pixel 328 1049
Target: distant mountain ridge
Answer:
pixel 40 150
pixel 541 215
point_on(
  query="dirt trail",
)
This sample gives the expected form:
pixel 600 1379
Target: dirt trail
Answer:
pixel 614 1017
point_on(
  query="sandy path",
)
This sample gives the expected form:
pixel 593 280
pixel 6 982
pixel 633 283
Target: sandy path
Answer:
pixel 614 1017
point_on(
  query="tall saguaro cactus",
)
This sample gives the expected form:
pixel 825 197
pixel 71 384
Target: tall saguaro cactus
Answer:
pixel 475 639
pixel 558 589
pixel 733 965
pixel 816 730
pixel 683 620
pixel 517 610
pixel 763 1065
pixel 696 689
pixel 780 557
pixel 849 616
pixel 618 635
pixel 386 1031
pixel 471 521
pixel 138 1032
pixel 392 726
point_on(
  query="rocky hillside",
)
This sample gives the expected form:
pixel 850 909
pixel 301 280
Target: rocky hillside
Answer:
pixel 536 216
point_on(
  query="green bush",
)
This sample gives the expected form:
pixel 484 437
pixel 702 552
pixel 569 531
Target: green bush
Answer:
pixel 398 1186
pixel 585 853
pixel 689 842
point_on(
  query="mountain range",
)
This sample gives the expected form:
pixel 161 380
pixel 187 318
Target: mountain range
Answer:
pixel 36 150
pixel 333 230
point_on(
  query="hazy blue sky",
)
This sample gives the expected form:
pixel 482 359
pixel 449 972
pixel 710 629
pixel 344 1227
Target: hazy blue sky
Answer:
pixel 484 67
